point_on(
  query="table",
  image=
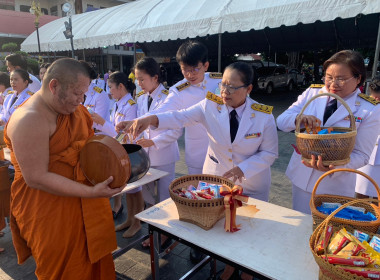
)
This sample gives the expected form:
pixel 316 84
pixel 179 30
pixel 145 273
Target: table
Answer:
pixel 274 243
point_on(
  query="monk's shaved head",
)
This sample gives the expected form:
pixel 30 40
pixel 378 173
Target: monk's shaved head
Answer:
pixel 65 71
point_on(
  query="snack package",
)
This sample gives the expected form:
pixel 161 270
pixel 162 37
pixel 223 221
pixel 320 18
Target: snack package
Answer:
pixel 351 261
pixel 202 185
pixel 191 188
pixel 371 273
pixel 204 195
pixel 324 240
pixel 361 236
pixel 215 191
pixel 375 243
pixel 338 241
pixel 372 254
pixel 189 194
pixel 334 205
pixel 351 249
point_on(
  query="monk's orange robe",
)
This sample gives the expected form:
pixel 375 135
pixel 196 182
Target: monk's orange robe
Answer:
pixel 69 237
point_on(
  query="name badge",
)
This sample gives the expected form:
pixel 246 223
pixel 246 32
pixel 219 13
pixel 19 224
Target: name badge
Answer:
pixel 252 135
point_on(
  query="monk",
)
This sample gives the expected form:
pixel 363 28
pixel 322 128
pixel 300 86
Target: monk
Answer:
pixel 56 215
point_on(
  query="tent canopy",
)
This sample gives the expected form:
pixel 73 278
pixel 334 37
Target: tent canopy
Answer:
pixel 246 25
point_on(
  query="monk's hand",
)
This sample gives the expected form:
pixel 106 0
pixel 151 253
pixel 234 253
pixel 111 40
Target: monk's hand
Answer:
pixel 97 119
pixel 317 164
pixel 103 190
pixel 309 121
pixel 234 173
pixel 145 143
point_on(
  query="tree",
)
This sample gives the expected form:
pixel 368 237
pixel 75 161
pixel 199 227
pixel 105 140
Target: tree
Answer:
pixel 10 47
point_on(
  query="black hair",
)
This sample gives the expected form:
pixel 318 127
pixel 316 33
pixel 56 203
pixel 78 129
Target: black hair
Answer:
pixel 191 53
pixel 150 66
pixel 91 71
pixel 24 75
pixel 375 84
pixel 120 78
pixel 245 71
pixel 17 60
pixel 4 79
pixel 45 65
pixel 352 59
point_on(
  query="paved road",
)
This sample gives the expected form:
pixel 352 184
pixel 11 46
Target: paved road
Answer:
pixel 136 263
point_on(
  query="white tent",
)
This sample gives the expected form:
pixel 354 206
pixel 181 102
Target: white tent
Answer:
pixel 162 20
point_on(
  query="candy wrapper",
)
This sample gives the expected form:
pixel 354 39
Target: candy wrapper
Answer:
pixel 338 241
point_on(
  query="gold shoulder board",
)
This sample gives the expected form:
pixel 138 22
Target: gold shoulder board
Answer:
pixel 140 93
pixel 30 92
pixel 262 108
pixel 216 75
pixel 165 91
pixel 317 85
pixel 98 89
pixel 369 99
pixel 183 86
pixel 10 92
pixel 214 98
pixel 131 102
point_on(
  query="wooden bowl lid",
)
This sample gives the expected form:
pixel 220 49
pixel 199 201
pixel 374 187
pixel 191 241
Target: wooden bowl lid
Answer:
pixel 102 157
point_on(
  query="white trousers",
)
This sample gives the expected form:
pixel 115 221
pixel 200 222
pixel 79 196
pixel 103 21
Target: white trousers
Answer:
pixel 301 200
pixel 163 184
pixel 194 170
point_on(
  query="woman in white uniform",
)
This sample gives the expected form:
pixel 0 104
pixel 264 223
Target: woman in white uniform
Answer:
pixel 242 133
pixel 125 108
pixel 344 74
pixel 5 88
pixel 364 188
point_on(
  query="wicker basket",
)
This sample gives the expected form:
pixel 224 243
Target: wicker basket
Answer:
pixel 335 149
pixel 203 213
pixel 316 200
pixel 328 271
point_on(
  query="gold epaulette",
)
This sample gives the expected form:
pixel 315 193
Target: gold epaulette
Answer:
pixel 140 93
pixel 165 91
pixel 10 92
pixel 183 86
pixel 30 92
pixel 213 97
pixel 262 108
pixel 215 75
pixel 131 102
pixel 98 89
pixel 317 85
pixel 369 99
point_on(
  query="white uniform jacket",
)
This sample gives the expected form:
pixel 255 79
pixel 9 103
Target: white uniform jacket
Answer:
pixel 35 85
pixel 4 95
pixel 368 127
pixel 126 111
pixel 97 100
pixel 165 149
pixel 99 82
pixel 181 96
pixel 7 109
pixel 255 146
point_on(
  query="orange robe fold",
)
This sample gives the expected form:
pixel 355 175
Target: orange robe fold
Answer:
pixel 69 237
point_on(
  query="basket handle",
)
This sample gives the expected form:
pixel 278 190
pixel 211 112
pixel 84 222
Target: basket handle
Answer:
pixel 312 204
pixel 323 226
pixel 352 118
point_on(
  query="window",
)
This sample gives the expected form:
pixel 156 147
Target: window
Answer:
pixel 7 7
pixel 90 6
pixel 44 11
pixel 24 8
pixel 54 11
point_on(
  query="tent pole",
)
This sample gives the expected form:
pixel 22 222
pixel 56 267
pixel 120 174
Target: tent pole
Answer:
pixel 220 53
pixel 376 59
pixel 134 54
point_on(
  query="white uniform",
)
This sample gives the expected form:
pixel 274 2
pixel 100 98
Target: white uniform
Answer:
pixel 124 109
pixel 35 85
pixel 363 185
pixel 164 153
pixel 342 183
pixel 181 96
pixel 8 109
pixel 99 82
pixel 4 95
pixel 97 100
pixel 255 146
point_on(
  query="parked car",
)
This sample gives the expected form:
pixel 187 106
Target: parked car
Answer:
pixel 299 78
pixel 270 78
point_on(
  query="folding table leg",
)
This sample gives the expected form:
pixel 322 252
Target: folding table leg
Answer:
pixel 154 258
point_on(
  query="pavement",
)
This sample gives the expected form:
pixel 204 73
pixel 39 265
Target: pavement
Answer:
pixel 135 264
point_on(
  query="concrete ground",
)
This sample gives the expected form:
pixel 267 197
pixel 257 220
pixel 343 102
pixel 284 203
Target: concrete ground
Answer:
pixel 135 264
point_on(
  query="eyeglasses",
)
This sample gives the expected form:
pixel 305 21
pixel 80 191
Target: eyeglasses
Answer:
pixel 193 70
pixel 339 81
pixel 229 89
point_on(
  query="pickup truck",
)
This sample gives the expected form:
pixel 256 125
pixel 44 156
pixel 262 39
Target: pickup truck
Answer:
pixel 273 77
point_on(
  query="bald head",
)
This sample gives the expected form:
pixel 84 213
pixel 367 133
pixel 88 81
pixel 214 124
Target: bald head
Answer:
pixel 65 71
